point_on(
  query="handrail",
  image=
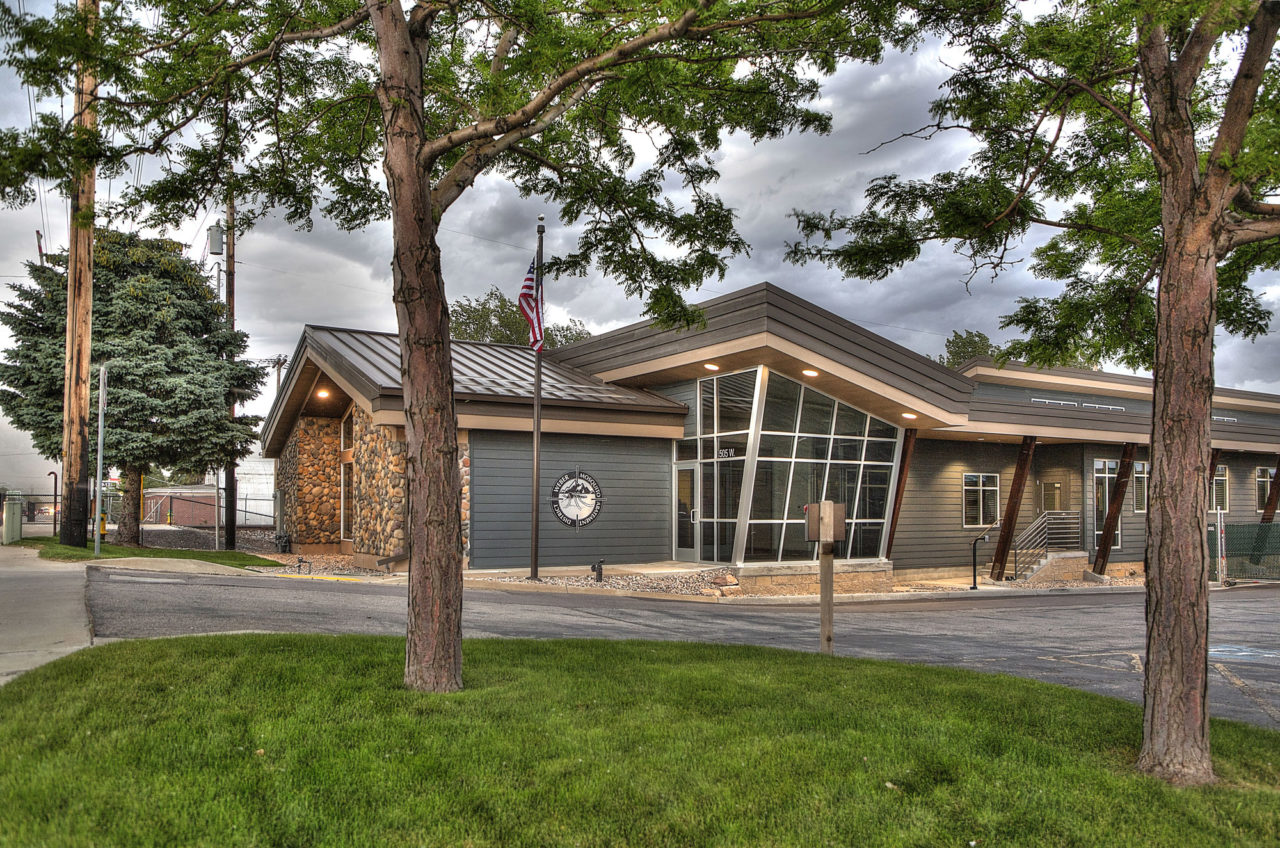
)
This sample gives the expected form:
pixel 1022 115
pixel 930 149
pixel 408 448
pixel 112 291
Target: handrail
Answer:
pixel 974 549
pixel 1051 530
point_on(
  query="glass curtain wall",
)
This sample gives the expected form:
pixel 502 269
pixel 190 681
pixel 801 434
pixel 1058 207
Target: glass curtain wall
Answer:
pixel 801 446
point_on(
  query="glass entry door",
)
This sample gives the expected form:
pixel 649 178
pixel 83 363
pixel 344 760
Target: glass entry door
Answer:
pixel 686 508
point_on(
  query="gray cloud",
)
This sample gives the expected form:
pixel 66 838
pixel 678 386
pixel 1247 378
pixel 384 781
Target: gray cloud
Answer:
pixel 287 278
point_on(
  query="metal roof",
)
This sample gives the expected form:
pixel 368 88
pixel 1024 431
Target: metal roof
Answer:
pixel 481 370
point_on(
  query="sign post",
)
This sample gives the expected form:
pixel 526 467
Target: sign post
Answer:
pixel 824 524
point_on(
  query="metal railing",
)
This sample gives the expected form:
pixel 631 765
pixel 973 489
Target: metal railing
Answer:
pixel 1051 531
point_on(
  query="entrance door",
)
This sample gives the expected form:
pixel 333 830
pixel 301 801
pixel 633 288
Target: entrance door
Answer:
pixel 1055 494
pixel 686 509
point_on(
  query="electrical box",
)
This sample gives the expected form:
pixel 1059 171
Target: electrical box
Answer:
pixel 813 522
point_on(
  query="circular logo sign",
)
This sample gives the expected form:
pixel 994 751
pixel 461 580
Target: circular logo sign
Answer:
pixel 576 499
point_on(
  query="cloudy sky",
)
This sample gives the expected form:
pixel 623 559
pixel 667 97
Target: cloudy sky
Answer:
pixel 287 278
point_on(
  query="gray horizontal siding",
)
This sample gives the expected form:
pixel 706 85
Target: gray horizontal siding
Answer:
pixel 634 524
pixel 931 531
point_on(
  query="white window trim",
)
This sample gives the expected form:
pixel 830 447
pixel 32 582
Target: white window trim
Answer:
pixel 1146 487
pixel 1225 477
pixel 1257 478
pixel 980 488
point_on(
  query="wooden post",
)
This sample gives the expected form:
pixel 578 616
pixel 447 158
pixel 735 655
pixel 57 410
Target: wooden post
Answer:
pixel 1012 506
pixel 75 397
pixel 904 466
pixel 826 576
pixel 1123 472
pixel 229 521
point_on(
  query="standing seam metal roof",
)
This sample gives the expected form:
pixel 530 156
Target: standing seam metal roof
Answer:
pixel 480 370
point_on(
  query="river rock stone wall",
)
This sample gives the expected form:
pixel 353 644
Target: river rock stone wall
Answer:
pixel 307 475
pixel 378 514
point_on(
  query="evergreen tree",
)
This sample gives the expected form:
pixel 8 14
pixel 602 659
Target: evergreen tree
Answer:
pixel 172 364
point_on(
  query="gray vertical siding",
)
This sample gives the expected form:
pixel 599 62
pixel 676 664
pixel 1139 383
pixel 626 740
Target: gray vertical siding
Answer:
pixel 634 524
pixel 931 531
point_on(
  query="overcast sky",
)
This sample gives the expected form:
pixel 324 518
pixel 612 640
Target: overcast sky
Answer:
pixel 287 278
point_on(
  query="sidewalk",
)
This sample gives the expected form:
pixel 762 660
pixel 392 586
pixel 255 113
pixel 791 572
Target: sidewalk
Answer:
pixel 42 610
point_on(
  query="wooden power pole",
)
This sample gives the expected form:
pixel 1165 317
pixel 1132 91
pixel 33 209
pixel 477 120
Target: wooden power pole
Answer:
pixel 75 397
pixel 229 528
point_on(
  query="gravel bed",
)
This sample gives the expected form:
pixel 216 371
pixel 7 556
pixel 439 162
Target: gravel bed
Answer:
pixel 337 565
pixel 673 583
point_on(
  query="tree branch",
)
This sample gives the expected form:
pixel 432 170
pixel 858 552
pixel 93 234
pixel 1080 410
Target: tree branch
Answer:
pixel 1243 95
pixel 1090 228
pixel 465 170
pixel 1249 231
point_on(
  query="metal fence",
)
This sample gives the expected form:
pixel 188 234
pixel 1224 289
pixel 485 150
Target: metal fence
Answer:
pixel 41 515
pixel 1248 552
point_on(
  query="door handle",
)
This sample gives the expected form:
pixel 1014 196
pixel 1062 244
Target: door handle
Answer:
pixel 693 516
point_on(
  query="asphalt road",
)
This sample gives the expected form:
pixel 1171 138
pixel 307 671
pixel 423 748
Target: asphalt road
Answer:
pixel 1092 642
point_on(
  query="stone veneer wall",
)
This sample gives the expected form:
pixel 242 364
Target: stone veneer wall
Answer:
pixel 378 517
pixel 464 471
pixel 307 475
pixel 378 514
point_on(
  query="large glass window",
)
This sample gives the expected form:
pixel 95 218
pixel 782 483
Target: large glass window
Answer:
pixel 725 405
pixel 1104 482
pixel 811 448
pixel 1264 479
pixel 981 499
pixel 1218 498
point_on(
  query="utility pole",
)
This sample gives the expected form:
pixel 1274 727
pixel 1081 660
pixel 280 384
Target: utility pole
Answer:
pixel 230 520
pixel 75 397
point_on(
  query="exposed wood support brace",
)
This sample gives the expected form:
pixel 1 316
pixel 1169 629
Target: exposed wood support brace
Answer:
pixel 904 466
pixel 1008 525
pixel 1123 473
pixel 1273 497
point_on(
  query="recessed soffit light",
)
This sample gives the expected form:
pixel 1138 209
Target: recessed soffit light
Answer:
pixel 809 372
pixel 910 416
pixel 710 366
pixel 323 393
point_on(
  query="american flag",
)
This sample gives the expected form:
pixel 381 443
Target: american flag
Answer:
pixel 531 305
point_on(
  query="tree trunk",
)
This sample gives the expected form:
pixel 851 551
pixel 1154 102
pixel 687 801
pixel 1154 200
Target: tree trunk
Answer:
pixel 433 650
pixel 130 507
pixel 1175 727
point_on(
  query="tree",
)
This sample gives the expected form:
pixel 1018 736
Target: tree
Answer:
pixel 609 110
pixel 1143 134
pixel 962 347
pixel 172 364
pixel 496 318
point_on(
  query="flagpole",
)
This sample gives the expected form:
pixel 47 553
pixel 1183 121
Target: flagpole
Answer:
pixel 537 414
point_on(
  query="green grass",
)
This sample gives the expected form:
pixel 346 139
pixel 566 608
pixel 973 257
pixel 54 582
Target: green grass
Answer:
pixel 51 548
pixel 311 740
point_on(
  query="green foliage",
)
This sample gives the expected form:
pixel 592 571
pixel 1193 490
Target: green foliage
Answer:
pixel 172 368
pixel 494 317
pixel 261 740
pixel 962 347
pixel 290 116
pixel 1057 107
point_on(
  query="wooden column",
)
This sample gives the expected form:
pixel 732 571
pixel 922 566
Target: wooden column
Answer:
pixel 904 466
pixel 1123 473
pixel 1009 523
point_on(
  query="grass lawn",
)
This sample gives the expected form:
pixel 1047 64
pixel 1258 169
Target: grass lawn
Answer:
pixel 51 548
pixel 311 740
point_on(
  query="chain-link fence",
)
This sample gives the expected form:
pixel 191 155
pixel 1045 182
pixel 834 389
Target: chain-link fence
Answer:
pixel 1249 552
